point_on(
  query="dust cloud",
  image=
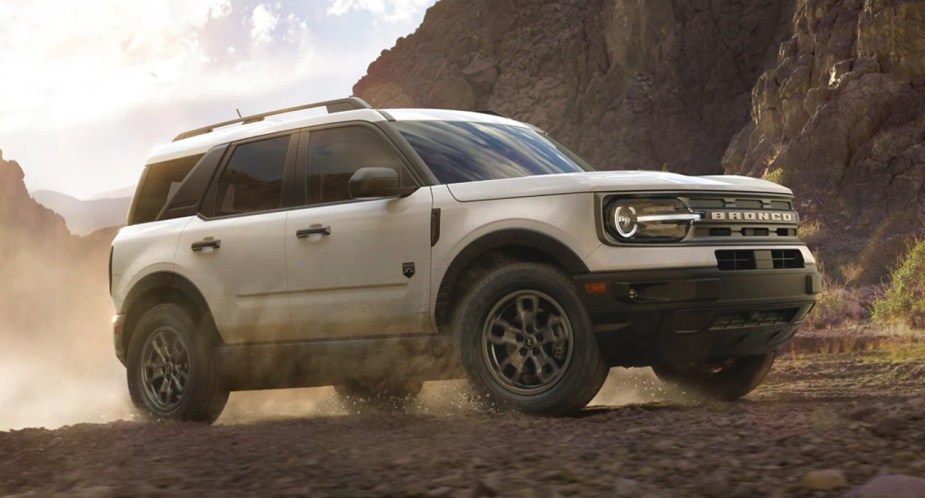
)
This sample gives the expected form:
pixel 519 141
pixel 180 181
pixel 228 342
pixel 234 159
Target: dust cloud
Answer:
pixel 58 366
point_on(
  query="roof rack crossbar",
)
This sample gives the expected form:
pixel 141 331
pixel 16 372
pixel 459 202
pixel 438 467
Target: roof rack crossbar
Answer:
pixel 336 105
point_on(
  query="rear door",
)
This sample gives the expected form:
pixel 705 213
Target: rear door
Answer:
pixel 233 252
pixel 356 267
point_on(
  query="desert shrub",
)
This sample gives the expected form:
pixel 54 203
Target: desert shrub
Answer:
pixel 839 305
pixel 904 300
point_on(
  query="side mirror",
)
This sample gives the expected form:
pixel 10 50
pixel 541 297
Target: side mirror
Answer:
pixel 377 182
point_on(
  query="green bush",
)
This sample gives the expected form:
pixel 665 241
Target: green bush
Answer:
pixel 904 301
pixel 775 176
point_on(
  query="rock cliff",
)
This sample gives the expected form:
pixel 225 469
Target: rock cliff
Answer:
pixel 840 117
pixel 627 84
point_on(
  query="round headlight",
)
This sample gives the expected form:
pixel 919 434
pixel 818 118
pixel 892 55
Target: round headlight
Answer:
pixel 624 219
pixel 644 220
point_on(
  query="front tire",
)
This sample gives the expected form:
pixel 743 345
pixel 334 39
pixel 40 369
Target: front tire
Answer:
pixel 526 341
pixel 172 374
pixel 726 381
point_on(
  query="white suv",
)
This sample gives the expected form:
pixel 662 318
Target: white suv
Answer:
pixel 375 249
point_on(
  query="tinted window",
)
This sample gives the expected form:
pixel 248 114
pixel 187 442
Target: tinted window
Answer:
pixel 335 154
pixel 253 179
pixel 464 151
pixel 159 182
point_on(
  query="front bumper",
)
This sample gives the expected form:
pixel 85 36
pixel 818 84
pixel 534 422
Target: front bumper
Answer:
pixel 696 314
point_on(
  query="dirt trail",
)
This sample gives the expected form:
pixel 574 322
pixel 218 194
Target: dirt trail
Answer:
pixel 863 414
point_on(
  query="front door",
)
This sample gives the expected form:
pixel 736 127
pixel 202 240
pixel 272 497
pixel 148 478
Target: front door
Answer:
pixel 356 267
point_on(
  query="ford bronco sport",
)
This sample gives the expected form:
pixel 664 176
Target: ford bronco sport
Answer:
pixel 375 249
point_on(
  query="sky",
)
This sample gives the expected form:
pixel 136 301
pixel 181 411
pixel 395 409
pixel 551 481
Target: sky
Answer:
pixel 88 88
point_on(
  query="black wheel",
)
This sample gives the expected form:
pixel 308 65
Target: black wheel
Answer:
pixel 172 374
pixel 728 380
pixel 391 394
pixel 526 341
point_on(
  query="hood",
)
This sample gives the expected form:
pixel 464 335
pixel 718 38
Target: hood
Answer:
pixel 609 181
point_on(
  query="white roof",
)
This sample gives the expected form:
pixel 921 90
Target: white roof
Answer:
pixel 199 144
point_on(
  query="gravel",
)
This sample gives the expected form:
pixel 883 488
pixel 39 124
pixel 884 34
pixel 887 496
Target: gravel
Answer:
pixel 822 425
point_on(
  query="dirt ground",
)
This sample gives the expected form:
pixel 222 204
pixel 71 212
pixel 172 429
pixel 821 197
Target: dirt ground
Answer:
pixel 862 414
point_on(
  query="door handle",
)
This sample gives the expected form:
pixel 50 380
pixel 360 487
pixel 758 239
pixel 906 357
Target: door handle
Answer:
pixel 305 232
pixel 205 243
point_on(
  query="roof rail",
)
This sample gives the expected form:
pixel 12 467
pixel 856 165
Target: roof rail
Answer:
pixel 336 105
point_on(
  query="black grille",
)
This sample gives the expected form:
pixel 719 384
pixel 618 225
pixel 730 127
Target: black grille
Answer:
pixel 735 260
pixel 787 258
pixel 754 318
pixel 774 259
pixel 740 229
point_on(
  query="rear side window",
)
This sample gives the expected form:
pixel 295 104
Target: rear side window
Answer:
pixel 335 154
pixel 159 182
pixel 253 179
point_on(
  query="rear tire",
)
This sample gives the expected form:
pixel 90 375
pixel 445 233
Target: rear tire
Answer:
pixel 526 341
pixel 727 381
pixel 172 373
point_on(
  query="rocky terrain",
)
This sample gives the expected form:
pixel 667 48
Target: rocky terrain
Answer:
pixel 823 425
pixel 825 96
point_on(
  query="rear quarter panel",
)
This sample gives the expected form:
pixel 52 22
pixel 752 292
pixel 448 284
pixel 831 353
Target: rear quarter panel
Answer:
pixel 140 250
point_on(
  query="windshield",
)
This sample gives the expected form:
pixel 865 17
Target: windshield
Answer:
pixel 462 151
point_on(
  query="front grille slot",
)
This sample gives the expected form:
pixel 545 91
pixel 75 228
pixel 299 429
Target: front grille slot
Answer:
pixel 786 258
pixel 755 232
pixel 735 260
pixel 744 319
pixel 774 259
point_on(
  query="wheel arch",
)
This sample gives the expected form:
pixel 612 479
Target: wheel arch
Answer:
pixel 493 249
pixel 158 288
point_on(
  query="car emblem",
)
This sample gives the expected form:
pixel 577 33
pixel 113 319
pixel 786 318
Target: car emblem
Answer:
pixel 407 269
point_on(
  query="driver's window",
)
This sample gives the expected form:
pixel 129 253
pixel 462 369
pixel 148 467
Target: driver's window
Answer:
pixel 335 154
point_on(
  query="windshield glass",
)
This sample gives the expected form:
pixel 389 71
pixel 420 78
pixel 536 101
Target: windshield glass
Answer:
pixel 462 151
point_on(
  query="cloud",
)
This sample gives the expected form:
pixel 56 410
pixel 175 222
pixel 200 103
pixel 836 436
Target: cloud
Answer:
pixel 263 22
pixel 77 61
pixel 392 11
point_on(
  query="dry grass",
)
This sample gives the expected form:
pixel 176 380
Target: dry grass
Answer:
pixel 839 306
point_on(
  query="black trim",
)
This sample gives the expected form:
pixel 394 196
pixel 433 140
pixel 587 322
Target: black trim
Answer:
pixel 434 226
pixel 155 289
pixel 187 201
pixel 696 314
pixel 504 239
